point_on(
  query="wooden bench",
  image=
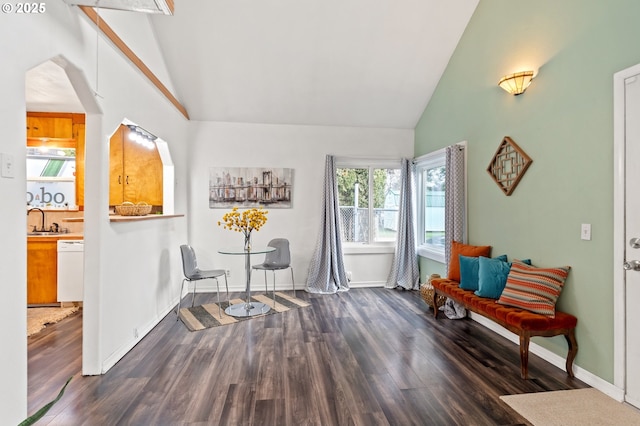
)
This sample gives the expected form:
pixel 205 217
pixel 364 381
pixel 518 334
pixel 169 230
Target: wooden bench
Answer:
pixel 521 322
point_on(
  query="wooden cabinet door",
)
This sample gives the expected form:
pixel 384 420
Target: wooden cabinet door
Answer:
pixel 143 174
pixel 42 272
pixel 135 172
pixel 116 167
pixel 47 126
pixel 80 150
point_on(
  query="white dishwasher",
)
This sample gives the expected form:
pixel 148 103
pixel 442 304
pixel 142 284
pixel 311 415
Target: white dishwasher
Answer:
pixel 70 270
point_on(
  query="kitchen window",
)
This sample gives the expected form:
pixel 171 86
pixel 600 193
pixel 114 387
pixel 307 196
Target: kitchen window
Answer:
pixel 51 177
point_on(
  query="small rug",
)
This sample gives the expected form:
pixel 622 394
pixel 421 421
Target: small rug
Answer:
pixel 38 318
pixel 572 407
pixel 206 316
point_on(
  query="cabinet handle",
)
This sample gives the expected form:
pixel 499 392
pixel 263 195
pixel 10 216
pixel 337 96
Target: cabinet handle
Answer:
pixel 127 180
pixel 119 180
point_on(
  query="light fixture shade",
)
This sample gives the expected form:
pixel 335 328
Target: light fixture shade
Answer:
pixel 516 83
pixel 164 7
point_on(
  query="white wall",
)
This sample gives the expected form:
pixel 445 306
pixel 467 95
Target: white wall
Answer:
pixel 132 270
pixel 302 148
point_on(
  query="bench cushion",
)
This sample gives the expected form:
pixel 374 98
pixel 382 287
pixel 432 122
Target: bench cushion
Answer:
pixel 515 317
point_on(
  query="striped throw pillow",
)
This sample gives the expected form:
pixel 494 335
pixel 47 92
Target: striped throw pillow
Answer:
pixel 534 289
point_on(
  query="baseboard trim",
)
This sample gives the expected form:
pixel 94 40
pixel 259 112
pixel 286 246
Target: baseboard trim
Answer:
pixel 259 287
pixel 554 359
pixel 117 355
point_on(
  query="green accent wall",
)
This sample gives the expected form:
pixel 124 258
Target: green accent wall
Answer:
pixel 564 122
pixel 428 267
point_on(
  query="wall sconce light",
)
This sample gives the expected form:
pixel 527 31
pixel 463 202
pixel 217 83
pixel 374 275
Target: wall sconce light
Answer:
pixel 516 83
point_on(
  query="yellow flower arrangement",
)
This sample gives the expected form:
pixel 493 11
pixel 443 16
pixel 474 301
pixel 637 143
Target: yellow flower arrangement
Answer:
pixel 246 222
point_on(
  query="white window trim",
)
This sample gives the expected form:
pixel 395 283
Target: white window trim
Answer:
pixel 378 163
pixel 426 161
pixel 361 248
pixel 422 163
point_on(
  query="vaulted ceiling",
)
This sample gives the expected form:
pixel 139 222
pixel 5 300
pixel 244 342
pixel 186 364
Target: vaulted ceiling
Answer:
pixel 372 63
pixel 363 63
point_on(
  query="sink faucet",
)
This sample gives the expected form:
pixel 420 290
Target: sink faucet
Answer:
pixel 41 212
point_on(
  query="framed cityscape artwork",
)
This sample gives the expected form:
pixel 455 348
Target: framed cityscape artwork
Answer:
pixel 247 187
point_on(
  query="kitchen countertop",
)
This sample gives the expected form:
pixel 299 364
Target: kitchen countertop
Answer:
pixel 56 237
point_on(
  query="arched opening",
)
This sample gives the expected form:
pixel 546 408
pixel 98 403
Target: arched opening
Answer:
pixel 61 110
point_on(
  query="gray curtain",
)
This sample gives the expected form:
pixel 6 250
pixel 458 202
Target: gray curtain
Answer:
pixel 454 202
pixel 326 272
pixel 404 269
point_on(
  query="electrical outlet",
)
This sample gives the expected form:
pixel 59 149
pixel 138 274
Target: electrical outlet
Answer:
pixel 585 232
pixel 228 272
pixel 135 333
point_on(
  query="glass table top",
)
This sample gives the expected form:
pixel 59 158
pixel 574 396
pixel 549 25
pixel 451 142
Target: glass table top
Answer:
pixel 241 250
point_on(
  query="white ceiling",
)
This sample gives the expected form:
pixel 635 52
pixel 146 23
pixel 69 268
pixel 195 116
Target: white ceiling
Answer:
pixel 48 89
pixel 368 63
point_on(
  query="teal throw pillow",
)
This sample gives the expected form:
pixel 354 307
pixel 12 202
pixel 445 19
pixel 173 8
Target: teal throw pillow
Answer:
pixel 469 267
pixel 492 277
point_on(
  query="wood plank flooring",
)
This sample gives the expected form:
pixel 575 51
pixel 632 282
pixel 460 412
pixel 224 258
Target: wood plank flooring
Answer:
pixel 362 357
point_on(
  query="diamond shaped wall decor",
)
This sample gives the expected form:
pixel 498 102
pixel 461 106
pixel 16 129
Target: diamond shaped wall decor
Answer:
pixel 508 165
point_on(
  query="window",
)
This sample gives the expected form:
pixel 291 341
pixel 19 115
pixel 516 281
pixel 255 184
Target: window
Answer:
pixel 430 178
pixel 431 175
pixel 369 198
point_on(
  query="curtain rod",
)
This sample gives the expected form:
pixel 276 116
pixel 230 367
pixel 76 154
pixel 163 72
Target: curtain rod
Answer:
pixel 460 145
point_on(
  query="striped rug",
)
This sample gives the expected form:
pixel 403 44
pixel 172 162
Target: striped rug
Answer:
pixel 201 317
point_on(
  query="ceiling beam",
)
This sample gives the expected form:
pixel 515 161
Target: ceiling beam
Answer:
pixel 120 44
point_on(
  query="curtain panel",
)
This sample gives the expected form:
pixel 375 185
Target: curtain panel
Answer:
pixel 454 203
pixel 404 269
pixel 326 271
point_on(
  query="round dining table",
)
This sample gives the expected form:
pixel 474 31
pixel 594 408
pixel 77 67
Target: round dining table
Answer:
pixel 247 308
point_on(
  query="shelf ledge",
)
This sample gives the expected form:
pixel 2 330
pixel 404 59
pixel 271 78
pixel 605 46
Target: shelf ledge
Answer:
pixel 118 218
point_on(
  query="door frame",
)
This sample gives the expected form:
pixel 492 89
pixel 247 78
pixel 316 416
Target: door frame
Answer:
pixel 91 357
pixel 619 243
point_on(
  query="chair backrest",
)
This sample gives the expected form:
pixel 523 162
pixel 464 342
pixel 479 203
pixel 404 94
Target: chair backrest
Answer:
pixel 189 262
pixel 281 256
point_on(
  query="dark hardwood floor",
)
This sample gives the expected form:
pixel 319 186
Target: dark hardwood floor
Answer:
pixel 362 357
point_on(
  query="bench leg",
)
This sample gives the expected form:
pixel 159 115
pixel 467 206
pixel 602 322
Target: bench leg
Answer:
pixel 435 304
pixel 572 343
pixel 524 354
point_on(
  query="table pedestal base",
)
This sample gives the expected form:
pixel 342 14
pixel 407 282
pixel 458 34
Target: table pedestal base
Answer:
pixel 247 309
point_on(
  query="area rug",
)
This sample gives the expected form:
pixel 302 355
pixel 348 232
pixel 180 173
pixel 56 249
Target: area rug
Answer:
pixel 572 407
pixel 206 316
pixel 39 318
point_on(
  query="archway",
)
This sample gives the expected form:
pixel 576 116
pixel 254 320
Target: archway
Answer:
pixel 58 85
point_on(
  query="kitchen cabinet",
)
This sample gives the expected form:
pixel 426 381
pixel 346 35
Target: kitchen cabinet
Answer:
pixel 42 271
pixel 135 171
pixel 50 125
pixel 78 134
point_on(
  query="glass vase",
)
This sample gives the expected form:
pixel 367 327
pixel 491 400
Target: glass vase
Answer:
pixel 247 241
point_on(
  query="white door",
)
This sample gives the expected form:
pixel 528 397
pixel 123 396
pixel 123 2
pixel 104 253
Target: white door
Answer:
pixel 632 239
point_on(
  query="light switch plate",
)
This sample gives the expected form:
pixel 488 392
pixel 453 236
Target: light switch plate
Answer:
pixel 7 165
pixel 585 232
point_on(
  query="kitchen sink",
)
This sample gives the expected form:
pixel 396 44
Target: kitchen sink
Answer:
pixel 45 233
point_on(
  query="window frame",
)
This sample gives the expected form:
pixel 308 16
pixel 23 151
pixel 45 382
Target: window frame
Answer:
pixel 422 164
pixel 350 247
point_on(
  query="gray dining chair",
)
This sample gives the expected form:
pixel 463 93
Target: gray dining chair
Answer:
pixel 277 260
pixel 194 274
